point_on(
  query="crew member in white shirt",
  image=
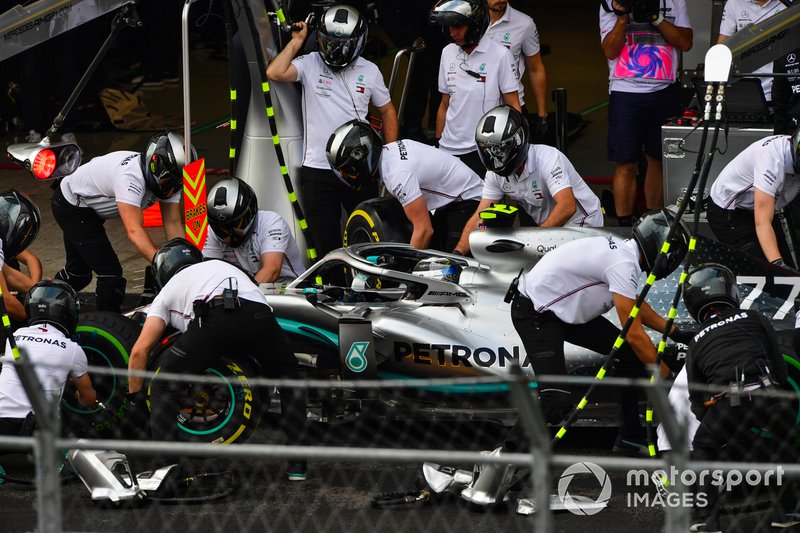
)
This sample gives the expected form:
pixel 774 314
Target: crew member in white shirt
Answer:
pixel 20 221
pixel 338 85
pixel 437 191
pixel 538 178
pixel 120 184
pixel 516 31
pixel 260 242
pixel 759 181
pixel 475 75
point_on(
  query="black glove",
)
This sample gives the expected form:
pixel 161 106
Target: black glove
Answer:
pixel 683 335
pixel 137 399
pixel 539 128
pixel 779 262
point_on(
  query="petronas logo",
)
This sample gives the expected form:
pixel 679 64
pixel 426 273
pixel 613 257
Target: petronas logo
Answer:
pixel 356 359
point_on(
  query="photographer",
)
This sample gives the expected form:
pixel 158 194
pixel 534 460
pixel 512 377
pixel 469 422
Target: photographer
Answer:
pixel 641 40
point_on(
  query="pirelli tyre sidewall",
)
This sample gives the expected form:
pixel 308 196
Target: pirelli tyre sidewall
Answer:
pixel 107 339
pixel 377 220
pixel 216 413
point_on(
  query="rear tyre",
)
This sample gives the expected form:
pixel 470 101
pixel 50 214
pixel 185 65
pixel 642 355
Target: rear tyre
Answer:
pixel 377 220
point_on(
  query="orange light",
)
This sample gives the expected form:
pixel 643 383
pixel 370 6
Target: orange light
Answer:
pixel 44 164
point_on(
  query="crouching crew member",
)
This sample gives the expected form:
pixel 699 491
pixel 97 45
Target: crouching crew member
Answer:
pixel 422 178
pixel 737 350
pixel 52 310
pixel 563 298
pixel 20 220
pixel 217 307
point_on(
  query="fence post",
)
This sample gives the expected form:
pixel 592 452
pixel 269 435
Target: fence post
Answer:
pixel 532 420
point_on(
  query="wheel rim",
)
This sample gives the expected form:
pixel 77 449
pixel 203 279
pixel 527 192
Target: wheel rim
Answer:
pixel 207 403
pixel 105 385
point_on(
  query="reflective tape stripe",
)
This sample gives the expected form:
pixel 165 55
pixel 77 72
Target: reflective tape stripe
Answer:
pixel 648 415
pixel 634 311
pixel 292 197
pixel 665 248
pixel 302 223
pixel 672 313
pixel 651 279
pixel 583 403
pixel 561 432
pixel 601 373
pixel 619 342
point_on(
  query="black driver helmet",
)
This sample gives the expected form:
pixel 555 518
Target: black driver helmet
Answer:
pixel 232 210
pixel 651 231
pixel 20 220
pixel 172 257
pixel 55 302
pixel 795 142
pixel 341 35
pixel 354 153
pixel 503 139
pixel 710 286
pixel 471 13
pixel 162 163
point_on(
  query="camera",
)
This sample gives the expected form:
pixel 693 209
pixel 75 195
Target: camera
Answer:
pixel 640 11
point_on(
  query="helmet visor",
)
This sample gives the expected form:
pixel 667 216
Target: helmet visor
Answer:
pixel 338 52
pixel 497 156
pixel 168 182
pixel 355 166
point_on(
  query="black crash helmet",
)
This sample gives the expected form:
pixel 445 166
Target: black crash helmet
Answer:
pixel 341 36
pixel 55 302
pixel 172 257
pixel 651 231
pixel 20 220
pixel 795 141
pixel 709 286
pixel 162 162
pixel 354 153
pixel 502 137
pixel 471 13
pixel 232 210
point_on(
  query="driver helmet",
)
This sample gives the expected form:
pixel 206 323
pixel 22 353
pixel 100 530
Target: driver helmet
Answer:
pixel 162 163
pixel 440 268
pixel 471 13
pixel 354 153
pixel 341 36
pixel 232 210
pixel 710 286
pixel 172 257
pixel 795 142
pixel 651 231
pixel 55 302
pixel 20 220
pixel 503 138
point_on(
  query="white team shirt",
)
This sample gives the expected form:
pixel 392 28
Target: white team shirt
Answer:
pixel 410 169
pixel 547 172
pixel 54 356
pixel 108 179
pixel 471 97
pixel 766 165
pixel 517 32
pixel 331 98
pixel 739 14
pixel 577 281
pixel 201 281
pixel 270 234
pixel 647 62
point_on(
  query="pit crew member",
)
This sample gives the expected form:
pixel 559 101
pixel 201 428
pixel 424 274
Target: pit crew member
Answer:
pixel 119 184
pixel 338 85
pixel 737 351
pixel 260 242
pixel 52 309
pixel 20 220
pixel 759 181
pixel 216 306
pixel 475 74
pixel 538 178
pixel 437 191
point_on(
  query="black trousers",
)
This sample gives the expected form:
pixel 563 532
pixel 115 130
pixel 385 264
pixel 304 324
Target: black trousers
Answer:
pixel 448 223
pixel 88 250
pixel 543 336
pixel 737 228
pixel 11 427
pixel 250 329
pixel 324 197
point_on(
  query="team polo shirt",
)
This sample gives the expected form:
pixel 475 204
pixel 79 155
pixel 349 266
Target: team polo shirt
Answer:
pixel 547 171
pixel 517 32
pixel 201 281
pixel 577 281
pixel 331 98
pixel 472 96
pixel 270 234
pixel 54 358
pixel 739 14
pixel 647 62
pixel 108 179
pixel 410 169
pixel 766 165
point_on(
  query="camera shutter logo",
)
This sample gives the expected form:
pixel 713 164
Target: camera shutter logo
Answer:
pixel 356 359
pixel 575 507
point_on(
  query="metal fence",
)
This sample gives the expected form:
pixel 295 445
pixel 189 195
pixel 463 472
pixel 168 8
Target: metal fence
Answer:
pixel 366 443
